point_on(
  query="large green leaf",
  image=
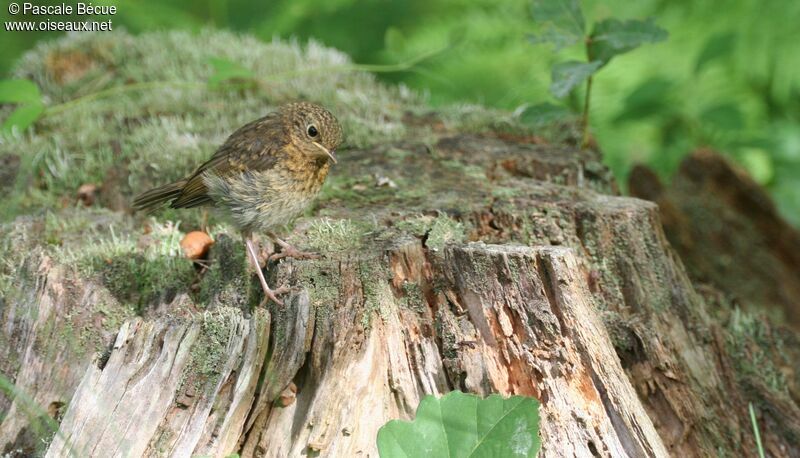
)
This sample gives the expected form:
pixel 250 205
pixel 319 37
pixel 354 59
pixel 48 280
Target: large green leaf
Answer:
pixel 561 22
pixel 567 75
pixel 716 47
pixel 613 37
pixel 464 425
pixel 19 91
pixel 22 117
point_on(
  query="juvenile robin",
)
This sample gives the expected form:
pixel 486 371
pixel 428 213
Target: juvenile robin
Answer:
pixel 263 176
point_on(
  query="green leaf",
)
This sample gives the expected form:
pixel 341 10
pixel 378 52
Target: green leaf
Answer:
pixel 725 116
pixel 464 425
pixel 393 40
pixel 556 37
pixel 23 117
pixel 561 22
pixel 759 164
pixel 19 91
pixel 226 71
pixel 648 99
pixel 544 113
pixel 567 75
pixel 716 47
pixel 613 37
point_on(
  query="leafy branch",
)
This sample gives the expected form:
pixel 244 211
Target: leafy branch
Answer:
pixel 562 24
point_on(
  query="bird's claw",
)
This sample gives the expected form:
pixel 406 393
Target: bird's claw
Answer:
pixel 272 294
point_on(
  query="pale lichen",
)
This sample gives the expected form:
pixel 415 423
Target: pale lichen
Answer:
pixel 211 349
pixel 336 236
pixel 438 231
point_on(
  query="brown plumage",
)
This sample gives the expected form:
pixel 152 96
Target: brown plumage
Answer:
pixel 263 176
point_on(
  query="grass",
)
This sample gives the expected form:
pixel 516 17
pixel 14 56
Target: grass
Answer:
pixel 756 433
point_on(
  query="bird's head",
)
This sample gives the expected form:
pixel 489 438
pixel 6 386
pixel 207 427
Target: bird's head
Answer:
pixel 313 129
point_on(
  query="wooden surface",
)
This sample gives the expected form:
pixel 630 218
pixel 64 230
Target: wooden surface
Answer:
pixel 492 266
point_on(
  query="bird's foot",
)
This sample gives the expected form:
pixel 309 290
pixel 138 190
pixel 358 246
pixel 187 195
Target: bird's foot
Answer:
pixel 269 293
pixel 289 251
pixel 273 295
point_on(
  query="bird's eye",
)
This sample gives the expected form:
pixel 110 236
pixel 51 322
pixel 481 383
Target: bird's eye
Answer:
pixel 312 131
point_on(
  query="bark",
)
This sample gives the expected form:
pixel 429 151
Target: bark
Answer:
pixel 492 266
pixel 728 232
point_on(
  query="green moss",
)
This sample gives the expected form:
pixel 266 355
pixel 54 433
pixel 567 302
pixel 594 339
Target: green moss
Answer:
pixel 503 192
pixel 135 276
pixel 396 153
pixel 472 171
pixel 322 280
pixel 140 138
pixel 439 231
pixel 417 226
pixel 749 342
pixel 335 236
pixel 413 297
pixel 378 297
pixel 445 230
pixel 477 119
pixel 210 350
pixel 362 191
pixel 228 278
pixel 448 338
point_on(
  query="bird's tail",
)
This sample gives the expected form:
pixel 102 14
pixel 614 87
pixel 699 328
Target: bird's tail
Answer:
pixel 159 196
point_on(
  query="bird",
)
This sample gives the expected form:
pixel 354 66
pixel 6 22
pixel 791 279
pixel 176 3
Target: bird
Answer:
pixel 262 177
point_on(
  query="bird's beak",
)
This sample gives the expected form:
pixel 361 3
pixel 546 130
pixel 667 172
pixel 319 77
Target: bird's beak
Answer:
pixel 331 153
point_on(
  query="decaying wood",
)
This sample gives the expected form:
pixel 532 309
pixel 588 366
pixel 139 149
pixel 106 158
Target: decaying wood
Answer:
pixel 494 266
pixel 728 232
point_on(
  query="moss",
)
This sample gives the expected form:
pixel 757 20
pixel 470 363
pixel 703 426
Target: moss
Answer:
pixel 160 133
pixel 445 230
pixel 437 231
pixel 228 278
pixel 17 253
pixel 82 331
pixel 503 192
pixel 210 351
pixel 362 191
pixel 353 190
pixel 749 340
pixel 448 339
pixel 477 119
pixel 336 236
pixel 413 297
pixel 136 276
pixel 472 171
pixel 378 297
pixel 322 280
pixel 143 278
pixel 396 153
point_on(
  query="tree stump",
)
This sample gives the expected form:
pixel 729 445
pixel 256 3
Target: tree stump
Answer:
pixel 488 263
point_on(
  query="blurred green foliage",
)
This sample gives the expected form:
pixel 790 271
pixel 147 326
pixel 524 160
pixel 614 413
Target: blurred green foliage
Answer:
pixel 726 78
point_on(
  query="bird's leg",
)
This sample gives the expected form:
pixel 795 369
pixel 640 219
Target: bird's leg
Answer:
pixel 289 251
pixel 270 293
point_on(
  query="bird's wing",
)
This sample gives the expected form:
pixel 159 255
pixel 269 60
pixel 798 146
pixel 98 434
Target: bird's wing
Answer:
pixel 254 147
